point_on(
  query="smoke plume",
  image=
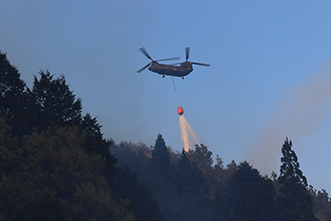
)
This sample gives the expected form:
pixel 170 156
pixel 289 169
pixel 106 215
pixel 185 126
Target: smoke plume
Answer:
pixel 298 115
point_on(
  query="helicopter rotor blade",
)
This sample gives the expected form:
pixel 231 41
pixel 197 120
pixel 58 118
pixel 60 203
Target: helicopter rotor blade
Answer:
pixel 145 53
pixel 187 52
pixel 144 68
pixel 207 65
pixel 167 59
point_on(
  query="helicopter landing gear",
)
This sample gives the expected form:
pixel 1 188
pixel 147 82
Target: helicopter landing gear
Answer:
pixel 183 77
pixel 163 76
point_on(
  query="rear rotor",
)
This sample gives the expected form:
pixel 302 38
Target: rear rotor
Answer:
pixel 187 52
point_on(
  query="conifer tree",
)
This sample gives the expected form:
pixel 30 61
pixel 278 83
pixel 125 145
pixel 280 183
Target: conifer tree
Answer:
pixel 290 168
pixel 12 95
pixel 192 188
pixel 190 178
pixel 295 202
pixel 203 158
pixel 56 180
pixel 250 196
pixel 55 104
pixel 160 154
pixel 63 169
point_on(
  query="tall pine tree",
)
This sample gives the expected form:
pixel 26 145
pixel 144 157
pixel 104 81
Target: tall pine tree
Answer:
pixel 192 188
pixel 55 104
pixel 294 201
pixel 160 154
pixel 290 168
pixel 250 196
pixel 12 95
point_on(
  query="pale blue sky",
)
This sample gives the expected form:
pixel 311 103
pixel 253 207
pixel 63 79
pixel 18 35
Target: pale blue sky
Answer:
pixel 268 79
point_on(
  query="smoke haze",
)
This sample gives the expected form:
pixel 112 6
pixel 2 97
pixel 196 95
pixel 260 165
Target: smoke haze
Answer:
pixel 299 114
pixel 95 44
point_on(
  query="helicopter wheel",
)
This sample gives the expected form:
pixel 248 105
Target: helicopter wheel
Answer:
pixel 183 77
pixel 163 76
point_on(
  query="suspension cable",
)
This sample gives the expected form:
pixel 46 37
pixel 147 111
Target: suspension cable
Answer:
pixel 173 82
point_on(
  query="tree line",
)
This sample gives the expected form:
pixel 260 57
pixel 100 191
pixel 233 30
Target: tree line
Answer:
pixel 191 186
pixel 56 165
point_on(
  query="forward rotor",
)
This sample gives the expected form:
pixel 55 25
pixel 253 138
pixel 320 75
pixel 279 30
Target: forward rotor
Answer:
pixel 140 70
pixel 143 50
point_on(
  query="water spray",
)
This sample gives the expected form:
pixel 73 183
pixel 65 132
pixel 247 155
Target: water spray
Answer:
pixel 186 132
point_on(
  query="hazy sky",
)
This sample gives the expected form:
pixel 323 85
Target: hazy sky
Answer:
pixel 270 73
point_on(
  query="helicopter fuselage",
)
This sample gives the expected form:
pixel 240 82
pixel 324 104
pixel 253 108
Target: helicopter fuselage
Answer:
pixel 172 70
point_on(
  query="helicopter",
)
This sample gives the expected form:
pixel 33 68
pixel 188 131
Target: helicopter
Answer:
pixel 182 70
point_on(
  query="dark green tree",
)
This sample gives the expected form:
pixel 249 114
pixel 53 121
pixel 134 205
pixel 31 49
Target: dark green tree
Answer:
pixel 192 189
pixel 51 105
pixel 231 168
pixel 203 158
pixel 142 203
pixel 220 206
pixel 96 144
pixel 290 168
pixel 250 196
pixel 160 155
pixel 8 148
pixel 146 187
pixel 190 177
pixel 294 201
pixel 55 179
pixel 161 175
pixel 321 203
pixel 220 173
pixel 12 95
pixel 54 103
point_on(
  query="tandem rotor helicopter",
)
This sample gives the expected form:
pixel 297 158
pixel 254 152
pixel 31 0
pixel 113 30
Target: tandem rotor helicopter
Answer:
pixel 182 70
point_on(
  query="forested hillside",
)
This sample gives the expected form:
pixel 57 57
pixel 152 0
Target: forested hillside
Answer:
pixel 56 165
